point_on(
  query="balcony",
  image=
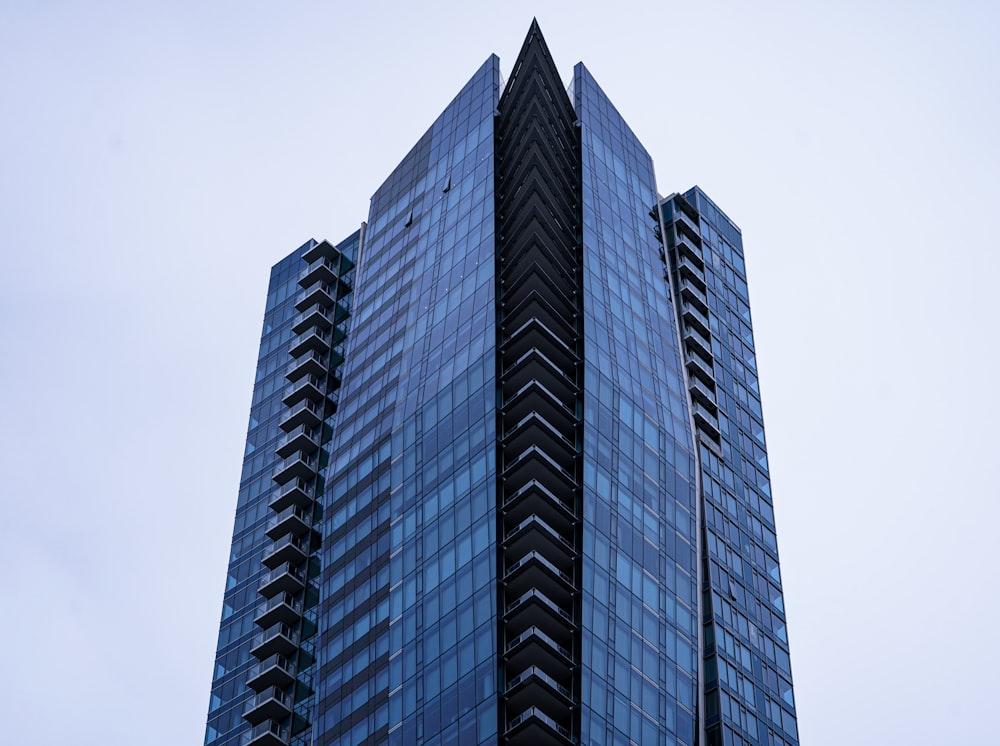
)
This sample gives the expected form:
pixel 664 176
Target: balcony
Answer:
pixel 317 316
pixel 534 647
pixel 536 610
pixel 535 535
pixel 535 464
pixel 268 733
pixel 535 397
pixel 535 727
pixel 695 295
pixel 534 429
pixel 535 499
pixel 297 492
pixel 688 247
pixel 286 578
pixel 317 293
pixel 279 639
pixel 560 318
pixel 688 220
pixel 326 249
pixel 321 249
pixel 697 366
pixel 690 271
pixel 693 317
pixel 535 365
pixel 534 570
pixel 533 333
pixel 702 393
pixel 329 270
pixel 705 420
pixel 288 548
pixel 310 364
pixel 322 269
pixel 274 671
pixel 297 467
pixel 697 342
pixel 533 686
pixel 308 387
pixel 282 608
pixel 292 520
pixel 270 704
pixel 316 340
pixel 304 413
pixel 303 438
pixel 533 279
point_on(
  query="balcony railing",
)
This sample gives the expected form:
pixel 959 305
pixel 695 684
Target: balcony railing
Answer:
pixel 268 733
pixel 705 419
pixel 535 609
pixel 289 548
pixel 686 246
pixel 551 732
pixel 697 366
pixel 320 270
pixel 297 492
pixel 274 671
pixel 304 413
pixel 270 704
pixel 696 318
pixel 702 392
pixel 698 342
pixel 276 639
pixel 282 608
pixel 318 316
pixel 291 520
pixel 534 570
pixel 312 363
pixel 297 466
pixel 286 578
pixel 695 295
pixel 318 292
pixel 689 270
pixel 308 387
pixel 302 438
pixel 314 339
pixel 683 218
pixel 534 647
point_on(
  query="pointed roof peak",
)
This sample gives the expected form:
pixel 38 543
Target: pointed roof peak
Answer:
pixel 534 62
pixel 534 44
pixel 534 30
pixel 532 38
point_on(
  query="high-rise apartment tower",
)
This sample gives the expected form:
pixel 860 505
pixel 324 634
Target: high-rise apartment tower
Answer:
pixel 505 478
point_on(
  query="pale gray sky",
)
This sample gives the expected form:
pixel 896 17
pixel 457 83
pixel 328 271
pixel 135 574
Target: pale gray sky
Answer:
pixel 157 158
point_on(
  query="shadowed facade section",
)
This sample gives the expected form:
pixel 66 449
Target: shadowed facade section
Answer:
pixel 539 376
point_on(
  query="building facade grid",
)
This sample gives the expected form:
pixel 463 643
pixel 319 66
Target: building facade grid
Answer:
pixel 506 478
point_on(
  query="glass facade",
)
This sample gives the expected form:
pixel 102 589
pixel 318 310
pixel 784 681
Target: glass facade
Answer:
pixel 233 660
pixel 263 689
pixel 408 636
pixel 505 478
pixel 747 677
pixel 639 619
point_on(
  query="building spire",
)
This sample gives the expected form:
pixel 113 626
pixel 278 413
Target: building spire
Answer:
pixel 534 61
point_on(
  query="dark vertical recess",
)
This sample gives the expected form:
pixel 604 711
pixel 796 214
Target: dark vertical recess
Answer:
pixel 539 292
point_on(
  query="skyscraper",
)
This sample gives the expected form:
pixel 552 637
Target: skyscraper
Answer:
pixel 506 478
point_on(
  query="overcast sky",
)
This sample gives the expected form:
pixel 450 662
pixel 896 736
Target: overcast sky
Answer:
pixel 157 158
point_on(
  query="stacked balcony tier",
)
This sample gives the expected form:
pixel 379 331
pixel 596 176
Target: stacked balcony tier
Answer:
pixel 316 353
pixel 687 264
pixel 539 292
